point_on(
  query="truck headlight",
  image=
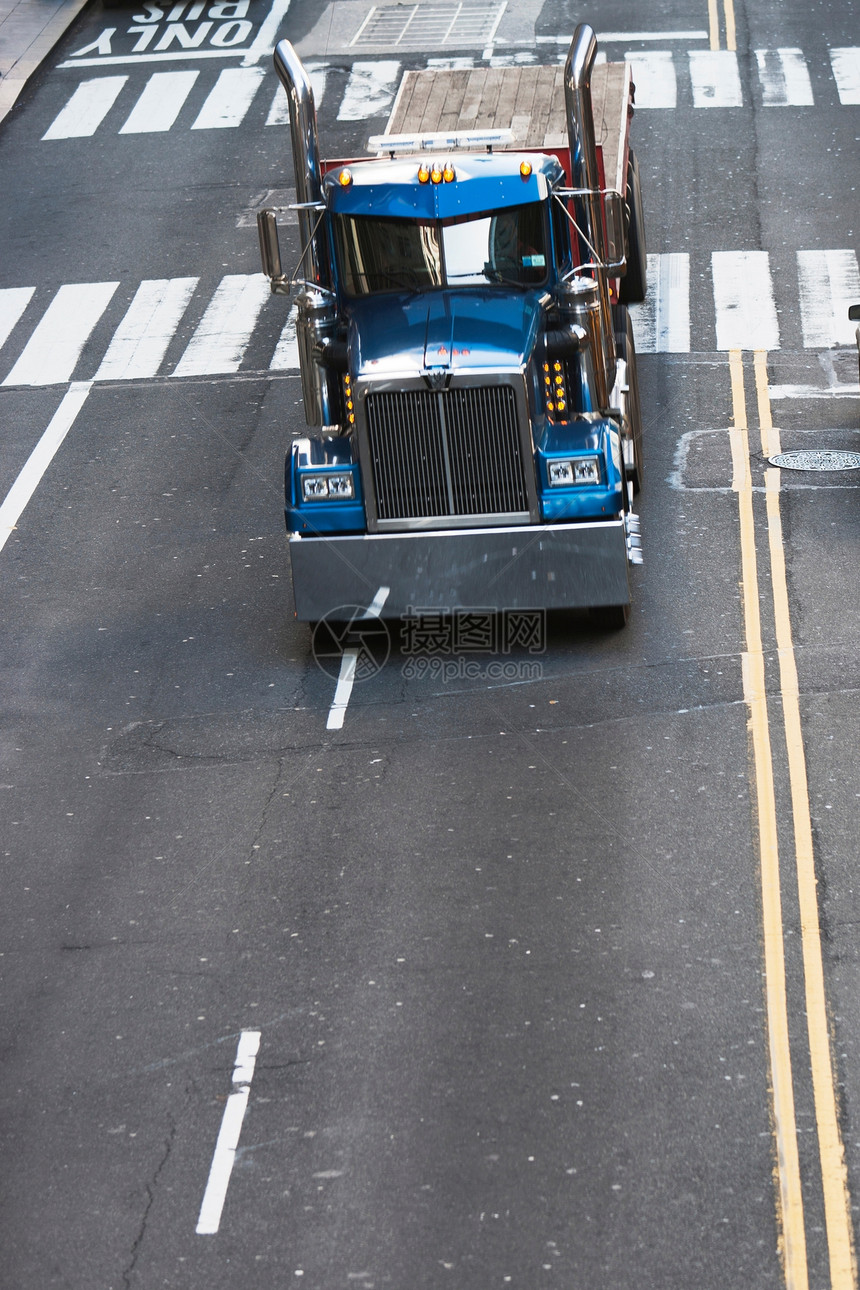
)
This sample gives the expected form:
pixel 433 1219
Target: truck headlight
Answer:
pixel 316 488
pixel 570 471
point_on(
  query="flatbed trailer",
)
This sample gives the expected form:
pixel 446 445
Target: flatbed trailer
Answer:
pixel 527 101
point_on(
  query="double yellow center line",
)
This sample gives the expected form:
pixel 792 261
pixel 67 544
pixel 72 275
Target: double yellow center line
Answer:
pixel 714 23
pixel 834 1179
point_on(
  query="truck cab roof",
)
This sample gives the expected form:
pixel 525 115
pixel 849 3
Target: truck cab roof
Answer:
pixel 396 187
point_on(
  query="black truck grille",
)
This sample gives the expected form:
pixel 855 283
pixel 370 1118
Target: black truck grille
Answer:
pixel 451 452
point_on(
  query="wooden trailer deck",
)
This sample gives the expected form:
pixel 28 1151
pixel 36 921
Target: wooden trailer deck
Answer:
pixel 529 101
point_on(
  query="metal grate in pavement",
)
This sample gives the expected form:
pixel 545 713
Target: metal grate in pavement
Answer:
pixel 463 25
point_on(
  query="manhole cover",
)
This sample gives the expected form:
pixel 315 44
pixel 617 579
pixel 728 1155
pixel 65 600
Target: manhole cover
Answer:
pixel 816 459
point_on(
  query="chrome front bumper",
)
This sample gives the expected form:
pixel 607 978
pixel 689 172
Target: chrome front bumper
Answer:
pixel 560 566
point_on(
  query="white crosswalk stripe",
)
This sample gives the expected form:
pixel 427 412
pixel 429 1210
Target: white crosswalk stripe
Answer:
pixel 661 324
pixel 846 71
pixel 784 78
pixel 654 78
pixel 370 90
pixel 286 357
pixel 52 352
pixel 715 78
pixel 229 101
pixel 713 75
pixel 743 300
pixel 225 329
pixel 279 112
pixel 13 302
pixel 160 103
pixel 86 109
pixel 735 309
pixel 140 342
pixel 828 281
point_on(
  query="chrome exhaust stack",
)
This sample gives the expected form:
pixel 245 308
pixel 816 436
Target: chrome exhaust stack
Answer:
pixel 306 163
pixel 316 307
pixel 586 175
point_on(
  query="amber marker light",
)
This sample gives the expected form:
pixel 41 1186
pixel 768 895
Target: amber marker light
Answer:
pixel 435 175
pixel 448 174
pixel 525 169
pixel 423 175
pixel 347 398
pixel 345 178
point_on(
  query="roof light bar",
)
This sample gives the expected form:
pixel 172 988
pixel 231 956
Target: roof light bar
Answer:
pixel 439 141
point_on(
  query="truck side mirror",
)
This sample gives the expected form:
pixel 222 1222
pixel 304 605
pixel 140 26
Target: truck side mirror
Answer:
pixel 270 252
pixel 854 313
pixel 616 224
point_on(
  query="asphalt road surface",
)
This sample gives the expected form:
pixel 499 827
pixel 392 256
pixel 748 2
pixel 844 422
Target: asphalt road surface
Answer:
pixel 539 964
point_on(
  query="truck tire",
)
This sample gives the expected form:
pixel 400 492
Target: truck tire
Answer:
pixel 626 348
pixel 634 283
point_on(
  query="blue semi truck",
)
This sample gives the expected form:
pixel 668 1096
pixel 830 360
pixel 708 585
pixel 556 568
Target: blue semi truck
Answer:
pixel 467 358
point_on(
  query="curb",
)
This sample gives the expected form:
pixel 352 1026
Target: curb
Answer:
pixel 35 54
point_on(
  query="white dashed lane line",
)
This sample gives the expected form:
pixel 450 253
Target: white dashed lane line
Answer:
pixel 348 662
pixel 228 1136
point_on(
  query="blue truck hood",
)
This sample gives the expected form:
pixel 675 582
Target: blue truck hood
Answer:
pixel 466 330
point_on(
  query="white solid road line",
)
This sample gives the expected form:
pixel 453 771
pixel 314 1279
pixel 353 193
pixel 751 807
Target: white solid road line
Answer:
pixel 228 1137
pixel 52 352
pixel 743 299
pixel 621 37
pixel 40 458
pixel 140 342
pixel 160 103
pixel 229 100
pixel 136 60
pixel 86 109
pixel 263 44
pixel 225 329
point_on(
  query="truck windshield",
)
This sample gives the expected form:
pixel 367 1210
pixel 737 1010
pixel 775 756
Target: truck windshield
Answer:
pixel 378 254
